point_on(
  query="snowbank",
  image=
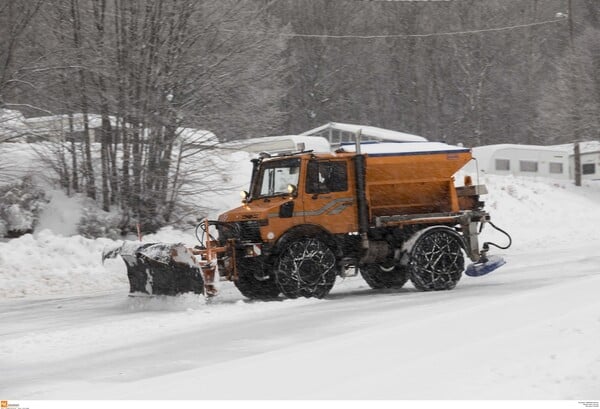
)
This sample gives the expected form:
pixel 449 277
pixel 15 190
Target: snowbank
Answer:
pixel 55 261
pixel 541 213
pixel 47 264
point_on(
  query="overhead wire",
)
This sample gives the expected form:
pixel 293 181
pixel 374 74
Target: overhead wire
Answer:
pixel 424 35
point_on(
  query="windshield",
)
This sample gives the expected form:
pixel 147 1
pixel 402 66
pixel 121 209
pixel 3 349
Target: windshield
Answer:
pixel 275 176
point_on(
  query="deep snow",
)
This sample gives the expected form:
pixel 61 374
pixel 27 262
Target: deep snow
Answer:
pixel 529 330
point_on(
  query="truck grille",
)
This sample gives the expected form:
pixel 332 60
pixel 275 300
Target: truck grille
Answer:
pixel 246 231
pixel 249 231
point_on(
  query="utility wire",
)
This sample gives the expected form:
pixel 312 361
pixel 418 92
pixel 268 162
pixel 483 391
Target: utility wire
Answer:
pixel 368 37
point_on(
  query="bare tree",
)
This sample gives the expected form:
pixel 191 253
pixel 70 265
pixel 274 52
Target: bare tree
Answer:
pixel 15 19
pixel 570 101
pixel 149 69
pixel 182 65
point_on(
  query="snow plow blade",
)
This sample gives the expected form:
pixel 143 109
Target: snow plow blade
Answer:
pixel 484 267
pixel 159 268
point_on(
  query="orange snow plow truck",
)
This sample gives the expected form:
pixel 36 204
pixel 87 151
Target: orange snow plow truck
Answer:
pixel 389 211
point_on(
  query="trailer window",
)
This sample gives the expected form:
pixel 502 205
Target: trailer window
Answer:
pixel 502 164
pixel 274 177
pixel 588 168
pixel 528 166
pixel 556 167
pixel 326 177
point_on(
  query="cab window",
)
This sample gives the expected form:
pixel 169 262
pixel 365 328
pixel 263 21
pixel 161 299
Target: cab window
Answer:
pixel 326 177
pixel 275 176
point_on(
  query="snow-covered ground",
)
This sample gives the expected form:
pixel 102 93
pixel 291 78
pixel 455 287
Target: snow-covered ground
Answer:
pixel 529 330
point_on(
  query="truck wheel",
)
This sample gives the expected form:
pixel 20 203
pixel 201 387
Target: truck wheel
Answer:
pixel 380 277
pixel 437 261
pixel 250 286
pixel 306 268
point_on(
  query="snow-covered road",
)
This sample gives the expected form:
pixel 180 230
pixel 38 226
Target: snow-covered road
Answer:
pixel 528 331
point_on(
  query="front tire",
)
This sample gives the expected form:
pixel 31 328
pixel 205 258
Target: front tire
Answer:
pixel 306 268
pixel 250 286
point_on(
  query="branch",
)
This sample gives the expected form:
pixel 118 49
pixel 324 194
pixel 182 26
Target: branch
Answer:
pixel 29 106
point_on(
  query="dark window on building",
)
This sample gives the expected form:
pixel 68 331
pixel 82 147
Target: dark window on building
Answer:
pixel 502 164
pixel 556 167
pixel 588 168
pixel 528 166
pixel 326 177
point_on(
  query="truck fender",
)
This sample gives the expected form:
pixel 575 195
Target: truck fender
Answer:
pixel 305 230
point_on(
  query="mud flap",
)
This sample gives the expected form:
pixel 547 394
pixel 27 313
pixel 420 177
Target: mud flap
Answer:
pixel 484 266
pixel 160 268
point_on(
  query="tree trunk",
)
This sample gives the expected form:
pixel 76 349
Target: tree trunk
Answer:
pixel 90 187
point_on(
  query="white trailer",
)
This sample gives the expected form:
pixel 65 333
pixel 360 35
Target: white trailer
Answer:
pixel 524 160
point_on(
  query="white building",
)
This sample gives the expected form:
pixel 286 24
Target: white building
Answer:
pixel 56 127
pixel 555 161
pixel 590 165
pixel 590 160
pixel 337 133
pixel 14 127
pixel 279 144
pixel 325 138
pixel 523 160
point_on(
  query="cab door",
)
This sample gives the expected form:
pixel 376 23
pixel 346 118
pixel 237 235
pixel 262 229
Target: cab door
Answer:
pixel 328 198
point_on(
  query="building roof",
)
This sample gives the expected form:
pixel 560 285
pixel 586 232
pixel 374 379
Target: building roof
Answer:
pixel 485 153
pixel 584 147
pixel 385 148
pixel 279 143
pixel 370 131
pixel 12 124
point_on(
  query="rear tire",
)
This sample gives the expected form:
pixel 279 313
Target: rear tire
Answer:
pixel 306 268
pixel 379 277
pixel 250 286
pixel 437 260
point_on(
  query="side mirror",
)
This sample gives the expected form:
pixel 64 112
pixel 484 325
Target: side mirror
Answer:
pixel 292 190
pixel 244 196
